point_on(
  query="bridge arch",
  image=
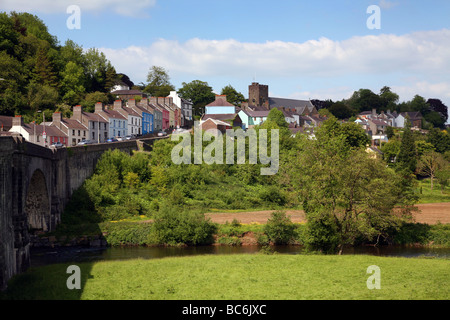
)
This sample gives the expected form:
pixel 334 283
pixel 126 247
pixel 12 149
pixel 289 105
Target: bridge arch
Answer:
pixel 37 204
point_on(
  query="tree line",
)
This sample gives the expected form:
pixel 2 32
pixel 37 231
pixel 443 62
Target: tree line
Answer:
pixel 435 113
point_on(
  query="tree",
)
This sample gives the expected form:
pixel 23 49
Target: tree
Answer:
pixel 407 155
pixel 158 82
pixel 389 98
pixel 277 116
pixel 199 92
pixel 96 70
pixel 340 110
pixel 233 96
pixel 72 83
pixel 436 105
pixel 346 195
pixel 429 164
pixel 390 132
pixel 418 103
pixel 350 132
pixel 365 100
pixel 439 139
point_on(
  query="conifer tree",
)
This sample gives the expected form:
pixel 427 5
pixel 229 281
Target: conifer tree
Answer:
pixel 407 155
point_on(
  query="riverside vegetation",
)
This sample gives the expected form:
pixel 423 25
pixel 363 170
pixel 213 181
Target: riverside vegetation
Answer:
pixel 349 198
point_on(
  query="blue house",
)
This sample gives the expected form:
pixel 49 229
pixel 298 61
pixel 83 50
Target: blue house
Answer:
pixel 146 114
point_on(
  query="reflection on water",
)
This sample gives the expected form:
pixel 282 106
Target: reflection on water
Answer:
pixel 79 254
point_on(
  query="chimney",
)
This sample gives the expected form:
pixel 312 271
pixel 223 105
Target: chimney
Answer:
pixel 374 112
pixel 170 100
pixel 131 103
pixel 99 107
pixel 77 111
pixel 57 119
pixel 144 102
pixel 154 100
pixel 17 121
pixel 117 105
pixel 161 100
pixel 220 97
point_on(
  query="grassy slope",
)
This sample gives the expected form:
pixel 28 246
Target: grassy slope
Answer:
pixel 432 196
pixel 242 277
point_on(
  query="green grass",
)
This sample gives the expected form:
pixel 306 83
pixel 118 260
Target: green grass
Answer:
pixel 241 277
pixel 426 195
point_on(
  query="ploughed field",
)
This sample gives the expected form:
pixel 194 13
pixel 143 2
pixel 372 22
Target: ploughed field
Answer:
pixel 429 213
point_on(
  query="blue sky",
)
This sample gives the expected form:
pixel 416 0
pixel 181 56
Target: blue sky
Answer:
pixel 301 49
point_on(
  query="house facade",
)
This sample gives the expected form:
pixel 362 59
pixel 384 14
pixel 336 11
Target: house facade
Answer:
pixel 134 123
pixel 118 124
pixel 98 127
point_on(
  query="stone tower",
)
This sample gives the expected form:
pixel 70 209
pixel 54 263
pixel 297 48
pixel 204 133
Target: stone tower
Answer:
pixel 258 95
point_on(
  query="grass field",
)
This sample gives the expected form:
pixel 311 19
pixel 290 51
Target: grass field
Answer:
pixel 241 277
pixel 437 195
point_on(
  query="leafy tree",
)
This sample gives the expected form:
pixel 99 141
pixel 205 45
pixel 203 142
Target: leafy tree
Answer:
pixel 439 139
pixel 429 164
pixel 350 132
pixel 40 96
pixel 390 151
pixel 92 98
pixel 72 83
pixel 389 98
pixel 436 105
pixel 390 132
pixel 97 67
pixel 277 117
pixel 365 100
pixel 233 96
pixel 340 110
pixel 158 82
pixel 407 155
pixel 418 103
pixel 199 92
pixel 347 196
pixel 435 119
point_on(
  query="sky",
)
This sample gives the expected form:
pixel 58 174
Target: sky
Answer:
pixel 302 49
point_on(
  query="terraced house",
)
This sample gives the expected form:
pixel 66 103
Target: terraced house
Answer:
pixel 118 124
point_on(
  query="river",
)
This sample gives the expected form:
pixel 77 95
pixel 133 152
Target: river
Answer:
pixel 40 257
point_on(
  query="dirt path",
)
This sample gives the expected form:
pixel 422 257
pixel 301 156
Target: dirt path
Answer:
pixel 430 213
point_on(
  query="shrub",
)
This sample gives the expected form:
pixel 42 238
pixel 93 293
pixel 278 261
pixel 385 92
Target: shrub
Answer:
pixel 173 226
pixel 320 234
pixel 279 228
pixel 127 233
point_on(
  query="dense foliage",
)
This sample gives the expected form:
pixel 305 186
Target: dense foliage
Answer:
pixel 41 74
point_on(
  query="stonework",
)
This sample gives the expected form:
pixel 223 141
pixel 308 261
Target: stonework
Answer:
pixel 35 185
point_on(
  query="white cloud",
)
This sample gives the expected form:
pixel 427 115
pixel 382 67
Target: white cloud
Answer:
pixel 421 54
pixel 122 7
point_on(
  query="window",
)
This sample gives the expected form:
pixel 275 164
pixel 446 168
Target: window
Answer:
pixel 73 132
pixel 84 133
pixel 79 133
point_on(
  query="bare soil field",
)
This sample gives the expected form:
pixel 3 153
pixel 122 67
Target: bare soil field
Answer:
pixel 429 213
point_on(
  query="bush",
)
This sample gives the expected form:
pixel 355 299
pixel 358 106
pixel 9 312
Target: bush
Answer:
pixel 172 226
pixel 279 228
pixel 320 234
pixel 127 233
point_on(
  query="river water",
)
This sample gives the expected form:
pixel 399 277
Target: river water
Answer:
pixel 41 257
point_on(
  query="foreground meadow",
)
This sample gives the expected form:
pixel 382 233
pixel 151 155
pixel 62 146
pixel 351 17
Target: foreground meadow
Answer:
pixel 241 277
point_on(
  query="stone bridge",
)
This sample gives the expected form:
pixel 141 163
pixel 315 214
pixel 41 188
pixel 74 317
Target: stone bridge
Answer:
pixel 35 185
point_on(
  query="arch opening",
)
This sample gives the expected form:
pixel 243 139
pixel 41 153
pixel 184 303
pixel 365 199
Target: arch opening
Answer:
pixel 37 206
